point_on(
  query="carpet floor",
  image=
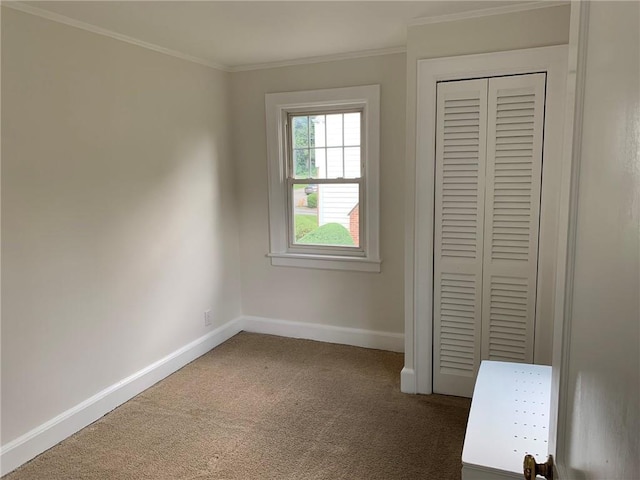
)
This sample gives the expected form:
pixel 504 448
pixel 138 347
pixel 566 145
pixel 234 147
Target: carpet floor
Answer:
pixel 265 407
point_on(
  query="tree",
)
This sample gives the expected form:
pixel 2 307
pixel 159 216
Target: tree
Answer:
pixel 303 139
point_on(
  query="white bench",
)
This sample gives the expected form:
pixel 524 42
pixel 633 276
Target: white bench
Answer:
pixel 509 418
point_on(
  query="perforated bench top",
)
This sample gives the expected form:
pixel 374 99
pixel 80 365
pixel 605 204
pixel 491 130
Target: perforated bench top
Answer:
pixel 509 418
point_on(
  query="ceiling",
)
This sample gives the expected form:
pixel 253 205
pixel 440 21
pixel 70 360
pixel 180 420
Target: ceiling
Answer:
pixel 239 34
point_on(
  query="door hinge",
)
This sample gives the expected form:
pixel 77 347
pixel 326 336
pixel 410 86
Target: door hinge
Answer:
pixel 533 469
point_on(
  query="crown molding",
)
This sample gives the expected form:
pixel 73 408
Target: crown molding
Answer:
pixel 319 59
pixel 17 5
pixel 521 7
pixel 39 12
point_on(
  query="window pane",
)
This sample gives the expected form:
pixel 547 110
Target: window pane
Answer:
pixel 334 163
pixel 334 130
pixel 320 162
pixel 326 214
pixel 313 172
pixel 352 129
pixel 352 162
pixel 317 131
pixel 300 131
pixel 305 210
pixel 301 163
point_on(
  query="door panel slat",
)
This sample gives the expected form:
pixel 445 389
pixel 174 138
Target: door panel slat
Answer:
pixel 460 167
pixel 513 182
pixel 488 175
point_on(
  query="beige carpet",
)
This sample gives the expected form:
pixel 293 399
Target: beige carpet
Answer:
pixel 263 407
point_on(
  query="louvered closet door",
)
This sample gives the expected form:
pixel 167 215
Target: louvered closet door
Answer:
pixel 513 182
pixel 459 219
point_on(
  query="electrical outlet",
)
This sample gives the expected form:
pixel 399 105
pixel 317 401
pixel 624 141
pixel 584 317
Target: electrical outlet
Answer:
pixel 207 318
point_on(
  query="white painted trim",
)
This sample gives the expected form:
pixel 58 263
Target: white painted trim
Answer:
pixel 56 17
pixel 277 107
pixel 453 17
pixel 33 443
pixel 356 337
pixel 335 57
pixel 408 381
pixel 45 436
pixel 354 264
pixel 572 154
pixel 419 288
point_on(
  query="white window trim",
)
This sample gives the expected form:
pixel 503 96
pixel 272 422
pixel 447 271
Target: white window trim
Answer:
pixel 277 106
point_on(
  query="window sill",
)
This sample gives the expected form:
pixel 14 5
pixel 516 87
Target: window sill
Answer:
pixel 325 262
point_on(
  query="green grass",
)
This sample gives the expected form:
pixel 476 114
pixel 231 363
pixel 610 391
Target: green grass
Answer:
pixel 329 234
pixel 298 186
pixel 305 224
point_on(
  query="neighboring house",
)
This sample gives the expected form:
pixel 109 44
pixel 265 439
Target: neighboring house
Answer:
pixel 335 203
pixel 354 224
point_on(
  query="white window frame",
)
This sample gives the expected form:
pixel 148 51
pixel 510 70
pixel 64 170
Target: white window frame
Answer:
pixel 278 107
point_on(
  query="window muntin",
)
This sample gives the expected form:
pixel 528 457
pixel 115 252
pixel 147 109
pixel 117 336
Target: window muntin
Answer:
pixel 326 145
pixel 284 248
pixel 325 176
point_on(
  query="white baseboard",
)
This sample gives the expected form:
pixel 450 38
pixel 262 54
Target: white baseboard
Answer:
pixel 393 342
pixel 408 381
pixel 560 470
pixel 43 437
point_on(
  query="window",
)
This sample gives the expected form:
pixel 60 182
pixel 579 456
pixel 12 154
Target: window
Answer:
pixel 323 178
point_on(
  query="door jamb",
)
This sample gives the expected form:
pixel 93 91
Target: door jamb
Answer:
pixel 576 75
pixel 417 374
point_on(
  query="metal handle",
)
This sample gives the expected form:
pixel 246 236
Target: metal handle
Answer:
pixel 532 469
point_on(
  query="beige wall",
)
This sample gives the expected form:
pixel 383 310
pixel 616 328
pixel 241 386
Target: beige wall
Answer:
pixel 347 299
pixel 118 223
pixel 602 417
pixel 131 182
pixel 529 29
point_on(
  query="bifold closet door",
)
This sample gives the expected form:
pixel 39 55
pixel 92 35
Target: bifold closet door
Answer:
pixel 458 233
pixel 512 216
pixel 487 210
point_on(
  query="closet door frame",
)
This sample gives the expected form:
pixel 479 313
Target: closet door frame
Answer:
pixel 417 374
